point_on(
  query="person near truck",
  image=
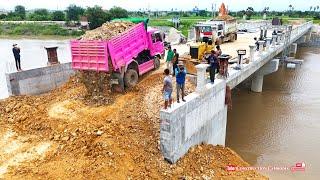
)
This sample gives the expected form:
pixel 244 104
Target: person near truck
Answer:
pixel 180 79
pixel 175 60
pixel 167 89
pixel 218 53
pixel 213 61
pixel 16 54
pixel 169 59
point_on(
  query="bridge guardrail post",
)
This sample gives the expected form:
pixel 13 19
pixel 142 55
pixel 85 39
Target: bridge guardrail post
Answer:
pixel 201 77
pixel 261 46
pixel 252 51
pixel 274 40
pixel 268 40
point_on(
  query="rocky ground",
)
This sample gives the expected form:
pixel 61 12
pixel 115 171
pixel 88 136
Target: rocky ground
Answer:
pixel 59 136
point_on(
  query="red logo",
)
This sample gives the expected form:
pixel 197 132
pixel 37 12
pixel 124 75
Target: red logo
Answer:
pixel 231 168
pixel 301 166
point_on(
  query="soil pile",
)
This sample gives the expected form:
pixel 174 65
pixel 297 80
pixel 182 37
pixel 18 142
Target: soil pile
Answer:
pixel 107 31
pixel 115 141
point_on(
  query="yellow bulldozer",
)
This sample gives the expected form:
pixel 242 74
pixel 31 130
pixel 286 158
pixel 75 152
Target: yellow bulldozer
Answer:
pixel 197 52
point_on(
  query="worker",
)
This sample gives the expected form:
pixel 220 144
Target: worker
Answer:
pixel 16 54
pixel 213 61
pixel 169 59
pixel 256 43
pixel 175 60
pixel 167 89
pixel 218 53
pixel 180 79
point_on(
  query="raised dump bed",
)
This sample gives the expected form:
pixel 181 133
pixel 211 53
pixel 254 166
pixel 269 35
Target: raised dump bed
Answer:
pixel 126 56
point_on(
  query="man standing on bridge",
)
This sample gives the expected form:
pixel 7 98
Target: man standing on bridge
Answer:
pixel 169 59
pixel 16 54
pixel 213 61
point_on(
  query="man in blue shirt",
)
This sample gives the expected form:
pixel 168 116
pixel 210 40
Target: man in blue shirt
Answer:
pixel 213 61
pixel 181 73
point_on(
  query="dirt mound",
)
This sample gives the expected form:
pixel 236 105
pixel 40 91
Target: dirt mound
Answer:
pixel 107 31
pixel 115 141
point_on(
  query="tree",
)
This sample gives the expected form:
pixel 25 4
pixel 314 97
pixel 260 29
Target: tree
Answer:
pixel 40 15
pixel 96 16
pixel 74 12
pixel 58 16
pixel 20 11
pixel 118 12
pixel 249 12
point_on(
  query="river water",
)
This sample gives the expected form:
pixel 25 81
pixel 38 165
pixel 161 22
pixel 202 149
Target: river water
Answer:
pixel 281 125
pixel 33 55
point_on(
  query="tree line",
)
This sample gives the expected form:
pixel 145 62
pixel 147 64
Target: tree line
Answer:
pixel 96 15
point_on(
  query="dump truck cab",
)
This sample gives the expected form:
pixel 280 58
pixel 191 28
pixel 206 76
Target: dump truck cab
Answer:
pixel 156 42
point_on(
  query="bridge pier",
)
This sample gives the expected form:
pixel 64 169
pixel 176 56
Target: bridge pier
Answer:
pixel 268 68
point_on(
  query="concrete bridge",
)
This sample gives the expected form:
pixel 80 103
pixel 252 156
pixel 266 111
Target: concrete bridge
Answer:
pixel 203 118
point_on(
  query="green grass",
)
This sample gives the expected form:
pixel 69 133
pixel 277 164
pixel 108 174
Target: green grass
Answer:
pixel 34 29
pixel 185 25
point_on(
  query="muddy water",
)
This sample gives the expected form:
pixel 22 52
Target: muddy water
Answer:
pixel 281 125
pixel 33 55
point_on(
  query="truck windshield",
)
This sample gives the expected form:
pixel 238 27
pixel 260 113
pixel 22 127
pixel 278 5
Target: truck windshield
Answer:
pixel 156 37
pixel 206 29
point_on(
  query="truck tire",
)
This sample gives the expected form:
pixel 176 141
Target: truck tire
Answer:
pixel 236 36
pixel 156 62
pixel 131 78
pixel 117 87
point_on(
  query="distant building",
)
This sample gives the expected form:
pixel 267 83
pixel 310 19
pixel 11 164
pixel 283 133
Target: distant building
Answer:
pixel 3 11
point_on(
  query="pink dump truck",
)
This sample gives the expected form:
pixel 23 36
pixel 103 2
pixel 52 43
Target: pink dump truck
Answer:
pixel 126 56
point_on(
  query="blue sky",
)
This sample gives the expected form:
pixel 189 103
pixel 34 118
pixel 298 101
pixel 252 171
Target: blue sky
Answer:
pixel 162 4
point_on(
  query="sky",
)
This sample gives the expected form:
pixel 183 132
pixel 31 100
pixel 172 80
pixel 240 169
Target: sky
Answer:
pixel 233 5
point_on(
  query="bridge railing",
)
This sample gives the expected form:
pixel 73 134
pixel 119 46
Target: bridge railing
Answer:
pixel 299 30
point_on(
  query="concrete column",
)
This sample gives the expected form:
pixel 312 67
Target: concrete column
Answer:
pixel 268 43
pixel 260 46
pixel 257 81
pixel 274 40
pixel 201 77
pixel 252 51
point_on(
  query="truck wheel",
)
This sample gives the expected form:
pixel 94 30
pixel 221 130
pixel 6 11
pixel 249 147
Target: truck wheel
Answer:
pixel 117 87
pixel 236 36
pixel 131 78
pixel 156 62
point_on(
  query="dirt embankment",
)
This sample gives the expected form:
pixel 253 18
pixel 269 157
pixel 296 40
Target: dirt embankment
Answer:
pixel 56 135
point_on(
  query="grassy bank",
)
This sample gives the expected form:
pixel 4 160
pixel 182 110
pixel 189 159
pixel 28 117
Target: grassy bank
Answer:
pixel 36 31
pixel 186 23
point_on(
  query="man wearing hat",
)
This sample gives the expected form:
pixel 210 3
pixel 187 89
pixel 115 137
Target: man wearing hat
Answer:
pixel 16 54
pixel 181 73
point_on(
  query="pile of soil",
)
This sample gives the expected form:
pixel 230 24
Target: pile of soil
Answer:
pixel 107 31
pixel 115 141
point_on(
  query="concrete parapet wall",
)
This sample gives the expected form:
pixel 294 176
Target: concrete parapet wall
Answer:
pixel 40 80
pixel 201 119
